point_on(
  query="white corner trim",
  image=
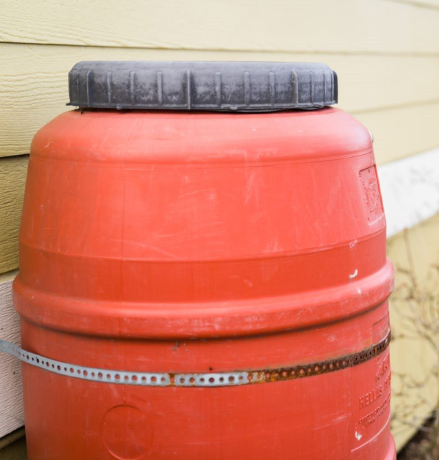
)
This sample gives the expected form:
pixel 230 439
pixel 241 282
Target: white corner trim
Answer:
pixel 410 190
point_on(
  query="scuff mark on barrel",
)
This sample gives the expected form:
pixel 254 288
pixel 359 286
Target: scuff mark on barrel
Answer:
pixel 354 275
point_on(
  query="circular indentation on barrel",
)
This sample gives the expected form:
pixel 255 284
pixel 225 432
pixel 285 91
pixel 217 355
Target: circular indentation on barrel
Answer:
pixel 126 432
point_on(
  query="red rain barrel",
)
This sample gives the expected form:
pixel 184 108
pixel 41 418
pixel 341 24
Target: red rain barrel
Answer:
pixel 203 269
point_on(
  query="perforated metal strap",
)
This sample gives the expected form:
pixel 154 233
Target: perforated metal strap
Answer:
pixel 210 379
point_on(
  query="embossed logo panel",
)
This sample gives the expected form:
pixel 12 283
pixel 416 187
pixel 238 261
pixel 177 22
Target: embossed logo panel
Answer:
pixel 371 194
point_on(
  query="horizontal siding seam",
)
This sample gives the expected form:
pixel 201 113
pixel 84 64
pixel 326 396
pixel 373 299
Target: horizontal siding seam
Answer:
pixel 8 275
pixel 15 155
pixel 359 52
pixel 422 5
pixel 11 438
pixel 385 108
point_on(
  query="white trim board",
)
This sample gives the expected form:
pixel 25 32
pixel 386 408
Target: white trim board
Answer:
pixel 11 399
pixel 410 190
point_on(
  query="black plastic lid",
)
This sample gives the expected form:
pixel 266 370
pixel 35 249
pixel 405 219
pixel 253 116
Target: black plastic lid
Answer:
pixel 212 86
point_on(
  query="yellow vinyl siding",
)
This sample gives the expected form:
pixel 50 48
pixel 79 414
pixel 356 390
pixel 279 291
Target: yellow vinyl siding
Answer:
pixel 403 131
pixel 428 4
pixel 349 26
pixel 12 179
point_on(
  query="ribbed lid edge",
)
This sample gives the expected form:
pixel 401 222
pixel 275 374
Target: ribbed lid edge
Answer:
pixel 211 86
